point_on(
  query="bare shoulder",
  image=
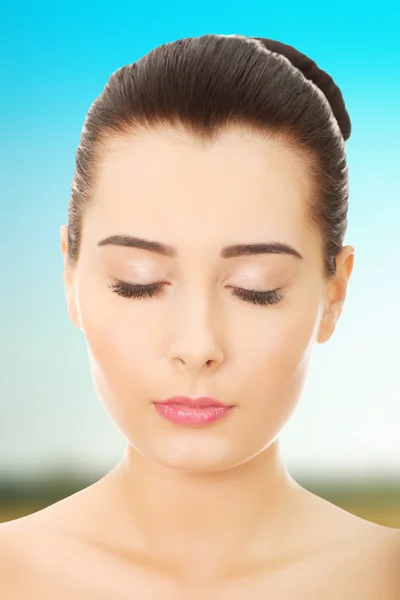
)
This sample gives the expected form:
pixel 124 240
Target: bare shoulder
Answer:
pixel 385 547
pixel 32 540
pixel 32 549
pixel 381 562
pixel 370 562
pixel 359 555
pixel 14 563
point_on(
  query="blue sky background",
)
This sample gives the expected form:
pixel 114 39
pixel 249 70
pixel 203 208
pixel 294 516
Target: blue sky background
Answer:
pixel 55 59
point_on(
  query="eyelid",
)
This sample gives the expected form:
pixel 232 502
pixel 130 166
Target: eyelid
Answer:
pixel 250 287
pixel 261 297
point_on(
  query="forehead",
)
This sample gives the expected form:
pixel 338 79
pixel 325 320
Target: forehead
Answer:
pixel 241 184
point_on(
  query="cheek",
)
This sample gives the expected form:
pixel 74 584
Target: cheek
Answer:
pixel 288 345
pixel 117 339
pixel 117 346
pixel 270 371
pixel 280 340
pixel 275 355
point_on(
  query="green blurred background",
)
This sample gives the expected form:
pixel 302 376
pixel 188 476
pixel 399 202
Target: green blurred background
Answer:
pixel 377 500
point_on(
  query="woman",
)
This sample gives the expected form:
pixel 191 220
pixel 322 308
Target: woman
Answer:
pixel 203 259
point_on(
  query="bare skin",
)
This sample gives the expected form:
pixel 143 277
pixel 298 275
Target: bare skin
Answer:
pixel 200 512
pixel 76 549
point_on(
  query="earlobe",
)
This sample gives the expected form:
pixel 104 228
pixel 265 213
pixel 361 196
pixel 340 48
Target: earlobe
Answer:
pixel 71 306
pixel 69 280
pixel 327 326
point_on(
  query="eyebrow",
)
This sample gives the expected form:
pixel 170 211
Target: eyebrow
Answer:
pixel 226 252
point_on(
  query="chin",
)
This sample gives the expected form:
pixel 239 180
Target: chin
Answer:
pixel 187 454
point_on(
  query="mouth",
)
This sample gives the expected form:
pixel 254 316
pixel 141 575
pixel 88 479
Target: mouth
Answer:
pixel 192 411
pixel 201 402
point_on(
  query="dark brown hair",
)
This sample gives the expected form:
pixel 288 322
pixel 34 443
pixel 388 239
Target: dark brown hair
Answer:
pixel 208 82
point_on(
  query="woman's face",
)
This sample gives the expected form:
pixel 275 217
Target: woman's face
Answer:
pixel 195 337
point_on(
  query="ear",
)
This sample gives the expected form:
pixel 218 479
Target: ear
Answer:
pixel 69 280
pixel 336 293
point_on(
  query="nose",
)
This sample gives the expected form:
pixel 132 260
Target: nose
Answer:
pixel 196 341
pixel 195 361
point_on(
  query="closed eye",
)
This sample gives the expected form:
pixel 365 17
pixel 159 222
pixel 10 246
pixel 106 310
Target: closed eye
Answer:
pixel 129 290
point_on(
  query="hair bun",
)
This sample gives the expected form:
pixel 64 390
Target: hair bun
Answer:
pixel 321 79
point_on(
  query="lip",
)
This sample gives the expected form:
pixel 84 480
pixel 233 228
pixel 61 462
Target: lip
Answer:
pixel 192 411
pixel 201 402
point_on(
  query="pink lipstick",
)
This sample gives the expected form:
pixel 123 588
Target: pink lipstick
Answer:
pixel 192 411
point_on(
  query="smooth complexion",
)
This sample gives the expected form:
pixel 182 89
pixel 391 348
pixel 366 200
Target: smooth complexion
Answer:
pixel 183 488
pixel 209 506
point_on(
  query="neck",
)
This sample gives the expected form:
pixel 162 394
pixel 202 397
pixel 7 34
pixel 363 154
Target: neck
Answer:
pixel 224 516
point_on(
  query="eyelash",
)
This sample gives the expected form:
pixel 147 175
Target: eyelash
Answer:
pixel 128 290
